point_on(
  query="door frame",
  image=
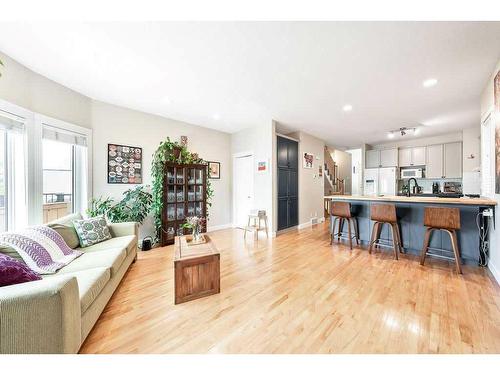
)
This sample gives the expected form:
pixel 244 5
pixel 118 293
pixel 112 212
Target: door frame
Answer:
pixel 234 157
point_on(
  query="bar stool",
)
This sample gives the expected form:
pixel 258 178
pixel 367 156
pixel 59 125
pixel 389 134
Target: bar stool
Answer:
pixel 342 211
pixel 447 220
pixel 385 214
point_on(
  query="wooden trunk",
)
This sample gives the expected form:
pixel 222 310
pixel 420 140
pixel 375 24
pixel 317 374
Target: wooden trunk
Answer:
pixel 197 270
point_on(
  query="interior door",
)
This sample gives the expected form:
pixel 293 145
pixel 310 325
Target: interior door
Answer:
pixel 243 189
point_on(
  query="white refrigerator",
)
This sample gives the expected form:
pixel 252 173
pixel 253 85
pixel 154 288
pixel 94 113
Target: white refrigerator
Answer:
pixel 380 181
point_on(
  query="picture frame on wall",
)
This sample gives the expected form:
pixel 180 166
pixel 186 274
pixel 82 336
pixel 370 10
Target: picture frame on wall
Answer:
pixel 124 164
pixel 307 160
pixel 214 170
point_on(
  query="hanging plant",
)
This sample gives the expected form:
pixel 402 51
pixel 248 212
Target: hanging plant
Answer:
pixel 169 151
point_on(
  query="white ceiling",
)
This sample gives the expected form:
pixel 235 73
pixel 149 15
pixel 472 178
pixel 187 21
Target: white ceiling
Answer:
pixel 229 76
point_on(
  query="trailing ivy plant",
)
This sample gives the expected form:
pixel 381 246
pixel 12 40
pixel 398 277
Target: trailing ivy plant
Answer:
pixel 134 206
pixel 166 152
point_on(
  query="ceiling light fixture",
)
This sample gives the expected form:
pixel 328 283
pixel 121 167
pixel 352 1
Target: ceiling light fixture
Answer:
pixel 347 108
pixel 403 131
pixel 216 116
pixel 430 82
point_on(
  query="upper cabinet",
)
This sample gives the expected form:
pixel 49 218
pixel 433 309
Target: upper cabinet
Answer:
pixel 413 156
pixel 444 161
pixel 434 166
pixel 381 158
pixel 287 153
pixel 372 159
pixel 453 160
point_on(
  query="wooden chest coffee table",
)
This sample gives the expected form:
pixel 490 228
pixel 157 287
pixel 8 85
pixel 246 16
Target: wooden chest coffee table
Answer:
pixel 197 269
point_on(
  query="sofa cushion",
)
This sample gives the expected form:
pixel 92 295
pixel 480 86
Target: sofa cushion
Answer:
pixel 92 231
pixel 124 242
pixel 110 258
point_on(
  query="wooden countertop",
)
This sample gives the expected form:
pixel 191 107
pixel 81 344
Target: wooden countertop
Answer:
pixel 414 199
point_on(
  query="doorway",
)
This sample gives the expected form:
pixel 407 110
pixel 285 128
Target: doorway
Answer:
pixel 356 171
pixel 243 189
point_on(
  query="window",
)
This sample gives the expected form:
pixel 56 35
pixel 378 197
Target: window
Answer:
pixel 64 155
pixel 13 210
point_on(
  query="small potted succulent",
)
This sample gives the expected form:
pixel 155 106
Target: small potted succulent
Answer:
pixel 194 223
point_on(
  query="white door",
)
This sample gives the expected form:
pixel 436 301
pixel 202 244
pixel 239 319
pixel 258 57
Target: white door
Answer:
pixel 387 181
pixel 243 169
pixel 371 181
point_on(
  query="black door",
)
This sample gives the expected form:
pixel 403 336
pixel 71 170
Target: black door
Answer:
pixel 288 183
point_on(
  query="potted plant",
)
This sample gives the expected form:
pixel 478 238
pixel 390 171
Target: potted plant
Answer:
pixel 194 223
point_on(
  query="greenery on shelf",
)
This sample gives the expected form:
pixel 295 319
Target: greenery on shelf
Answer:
pixel 169 151
pixel 134 206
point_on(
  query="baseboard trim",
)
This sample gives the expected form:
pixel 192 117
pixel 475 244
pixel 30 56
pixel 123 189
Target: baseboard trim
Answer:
pixel 495 272
pixel 219 227
pixel 309 223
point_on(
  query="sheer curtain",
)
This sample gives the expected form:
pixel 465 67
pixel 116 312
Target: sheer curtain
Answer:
pixel 15 171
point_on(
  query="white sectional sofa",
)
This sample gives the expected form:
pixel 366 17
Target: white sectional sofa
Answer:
pixel 55 314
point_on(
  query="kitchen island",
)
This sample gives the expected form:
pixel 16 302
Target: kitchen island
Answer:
pixel 410 212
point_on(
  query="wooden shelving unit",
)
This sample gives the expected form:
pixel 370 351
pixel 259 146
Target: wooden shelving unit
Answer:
pixel 184 194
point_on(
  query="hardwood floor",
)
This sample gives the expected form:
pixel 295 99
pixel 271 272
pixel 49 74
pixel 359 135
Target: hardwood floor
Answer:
pixel 297 294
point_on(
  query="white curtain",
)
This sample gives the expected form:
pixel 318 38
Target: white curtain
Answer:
pixel 16 171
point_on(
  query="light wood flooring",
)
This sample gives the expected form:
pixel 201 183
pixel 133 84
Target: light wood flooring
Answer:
pixel 297 294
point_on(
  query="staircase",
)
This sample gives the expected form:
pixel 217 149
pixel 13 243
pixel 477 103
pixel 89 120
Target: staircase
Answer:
pixel 333 184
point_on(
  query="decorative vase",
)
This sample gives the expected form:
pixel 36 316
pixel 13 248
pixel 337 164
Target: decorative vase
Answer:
pixel 196 233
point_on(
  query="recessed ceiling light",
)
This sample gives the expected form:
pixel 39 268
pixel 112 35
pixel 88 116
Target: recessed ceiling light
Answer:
pixel 216 116
pixel 390 135
pixel 166 100
pixel 430 82
pixel 347 108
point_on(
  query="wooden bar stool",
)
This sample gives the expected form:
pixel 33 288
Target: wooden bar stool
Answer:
pixel 342 212
pixel 385 214
pixel 447 220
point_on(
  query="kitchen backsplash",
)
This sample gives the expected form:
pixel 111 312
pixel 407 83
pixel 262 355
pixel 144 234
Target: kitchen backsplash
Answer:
pixel 427 183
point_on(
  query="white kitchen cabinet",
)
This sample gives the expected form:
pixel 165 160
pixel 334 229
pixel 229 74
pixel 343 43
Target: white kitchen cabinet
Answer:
pixel 381 158
pixel 404 157
pixel 434 165
pixel 389 158
pixel 372 159
pixel 453 160
pixel 418 155
pixel 412 156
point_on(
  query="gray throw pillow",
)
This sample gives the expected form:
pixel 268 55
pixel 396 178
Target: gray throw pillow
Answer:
pixel 92 231
pixel 68 233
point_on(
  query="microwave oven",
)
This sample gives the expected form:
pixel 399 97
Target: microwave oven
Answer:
pixel 412 173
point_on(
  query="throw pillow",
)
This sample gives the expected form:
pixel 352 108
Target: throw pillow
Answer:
pixel 42 248
pixel 67 232
pixel 14 272
pixel 92 231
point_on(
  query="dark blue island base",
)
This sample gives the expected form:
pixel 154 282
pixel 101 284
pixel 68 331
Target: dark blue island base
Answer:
pixel 411 219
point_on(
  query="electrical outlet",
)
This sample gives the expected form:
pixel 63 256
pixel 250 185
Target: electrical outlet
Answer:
pixel 488 212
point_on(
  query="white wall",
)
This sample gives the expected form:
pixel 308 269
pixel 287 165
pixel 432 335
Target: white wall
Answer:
pixel 356 165
pixel 30 90
pixel 258 140
pixel 487 103
pixel 471 160
pixel 113 124
pixel 311 185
